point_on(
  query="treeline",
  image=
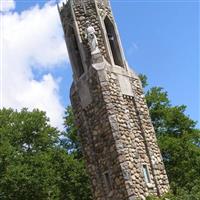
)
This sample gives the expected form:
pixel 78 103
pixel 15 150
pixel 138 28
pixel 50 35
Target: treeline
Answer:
pixel 38 162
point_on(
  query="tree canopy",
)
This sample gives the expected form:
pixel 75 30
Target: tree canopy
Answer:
pixel 34 164
pixel 179 142
pixel 39 162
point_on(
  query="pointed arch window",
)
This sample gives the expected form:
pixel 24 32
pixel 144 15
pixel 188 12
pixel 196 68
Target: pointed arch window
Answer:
pixel 74 52
pixel 114 45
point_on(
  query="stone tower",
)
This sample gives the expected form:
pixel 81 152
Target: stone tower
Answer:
pixel 115 129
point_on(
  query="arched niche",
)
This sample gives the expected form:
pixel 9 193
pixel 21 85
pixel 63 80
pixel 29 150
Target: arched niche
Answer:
pixel 114 45
pixel 74 52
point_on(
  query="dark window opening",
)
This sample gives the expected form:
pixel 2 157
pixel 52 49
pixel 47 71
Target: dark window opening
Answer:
pixel 74 52
pixel 108 181
pixel 146 174
pixel 114 45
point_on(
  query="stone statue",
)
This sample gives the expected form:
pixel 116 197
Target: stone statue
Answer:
pixel 92 39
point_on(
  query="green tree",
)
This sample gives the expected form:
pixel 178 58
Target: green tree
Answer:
pixel 179 142
pixel 33 163
pixel 39 162
pixel 72 144
pixel 178 139
pixel 71 139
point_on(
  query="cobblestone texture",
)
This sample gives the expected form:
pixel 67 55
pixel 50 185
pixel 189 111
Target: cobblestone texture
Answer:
pixel 116 132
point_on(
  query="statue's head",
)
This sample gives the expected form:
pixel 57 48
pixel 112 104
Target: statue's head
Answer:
pixel 87 23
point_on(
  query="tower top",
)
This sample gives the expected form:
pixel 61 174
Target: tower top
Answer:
pixel 65 2
pixel 83 42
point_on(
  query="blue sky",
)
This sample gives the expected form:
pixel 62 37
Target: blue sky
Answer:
pixel 160 40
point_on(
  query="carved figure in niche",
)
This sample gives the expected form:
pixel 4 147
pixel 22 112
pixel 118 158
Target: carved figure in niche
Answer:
pixel 92 39
pixel 110 37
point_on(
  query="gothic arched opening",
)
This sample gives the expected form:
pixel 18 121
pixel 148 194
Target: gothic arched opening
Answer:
pixel 74 52
pixel 114 45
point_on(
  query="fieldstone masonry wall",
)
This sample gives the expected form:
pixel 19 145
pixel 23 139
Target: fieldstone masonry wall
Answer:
pixel 117 136
pixel 98 144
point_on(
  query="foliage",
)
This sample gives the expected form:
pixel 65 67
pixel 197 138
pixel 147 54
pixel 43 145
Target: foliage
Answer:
pixel 39 162
pixel 178 140
pixel 71 140
pixel 33 164
pixel 143 80
pixel 179 143
pixel 72 144
pixel 168 196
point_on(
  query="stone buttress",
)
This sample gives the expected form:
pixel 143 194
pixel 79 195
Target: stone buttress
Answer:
pixel 117 137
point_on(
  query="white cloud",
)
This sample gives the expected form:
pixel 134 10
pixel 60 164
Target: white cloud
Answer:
pixel 7 5
pixel 33 38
